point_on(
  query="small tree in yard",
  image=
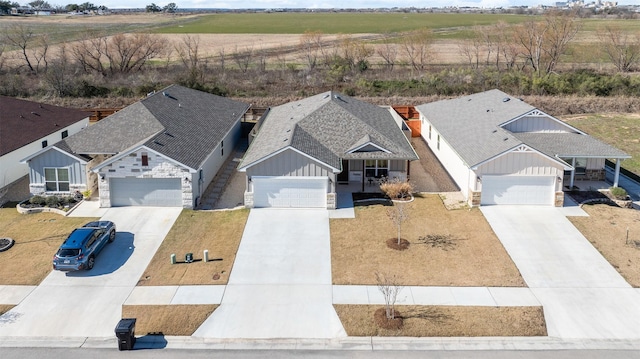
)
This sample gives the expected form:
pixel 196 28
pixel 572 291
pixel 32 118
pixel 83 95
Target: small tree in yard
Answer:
pixel 389 287
pixel 398 214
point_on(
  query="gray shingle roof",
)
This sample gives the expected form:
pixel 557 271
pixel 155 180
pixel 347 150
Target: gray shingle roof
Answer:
pixel 326 126
pixel 471 124
pixel 569 145
pixel 114 134
pixel 178 122
pixel 472 127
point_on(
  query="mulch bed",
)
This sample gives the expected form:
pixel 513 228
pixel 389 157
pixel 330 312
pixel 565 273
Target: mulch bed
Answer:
pixel 584 196
pixel 393 244
pixel 381 320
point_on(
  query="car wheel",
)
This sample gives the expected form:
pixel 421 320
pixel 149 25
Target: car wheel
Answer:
pixel 90 263
pixel 112 236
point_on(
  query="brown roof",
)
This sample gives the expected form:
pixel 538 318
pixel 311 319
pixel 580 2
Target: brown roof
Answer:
pixel 23 122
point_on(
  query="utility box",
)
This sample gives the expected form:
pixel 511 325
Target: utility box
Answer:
pixel 126 333
pixel 188 258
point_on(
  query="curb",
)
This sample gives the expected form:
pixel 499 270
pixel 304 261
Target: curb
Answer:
pixel 347 343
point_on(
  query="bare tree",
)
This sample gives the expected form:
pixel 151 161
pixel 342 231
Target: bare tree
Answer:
pixel 22 37
pixel 622 48
pixel 544 42
pixel 128 54
pixel 416 46
pixel 398 215
pixel 470 49
pixel 509 50
pixel 188 50
pixel 389 52
pixel 311 45
pixel 59 75
pixel 243 58
pixel 389 287
pixel 121 53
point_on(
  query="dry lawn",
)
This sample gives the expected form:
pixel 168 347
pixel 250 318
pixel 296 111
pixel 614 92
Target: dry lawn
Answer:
pixel 474 258
pixel 37 238
pixel 218 232
pixel 180 320
pixel 5 308
pixel 447 321
pixel 606 228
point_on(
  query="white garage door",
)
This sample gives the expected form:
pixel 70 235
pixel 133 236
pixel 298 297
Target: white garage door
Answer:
pixel 537 190
pixel 160 192
pixel 296 192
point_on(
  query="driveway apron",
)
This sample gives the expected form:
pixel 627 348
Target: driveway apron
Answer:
pixel 583 296
pixel 89 303
pixel 280 284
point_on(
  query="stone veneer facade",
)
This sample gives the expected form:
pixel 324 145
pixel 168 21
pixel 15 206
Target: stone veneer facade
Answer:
pixel 159 167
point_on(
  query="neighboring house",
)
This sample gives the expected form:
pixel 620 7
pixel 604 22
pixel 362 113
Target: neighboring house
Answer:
pixel 161 151
pixel 501 150
pixel 304 148
pixel 27 127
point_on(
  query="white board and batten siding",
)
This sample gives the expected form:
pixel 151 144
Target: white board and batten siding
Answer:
pixel 533 123
pixel 290 192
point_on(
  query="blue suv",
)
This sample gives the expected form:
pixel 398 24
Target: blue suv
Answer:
pixel 80 249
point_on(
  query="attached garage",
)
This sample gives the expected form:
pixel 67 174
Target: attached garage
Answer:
pixel 157 192
pixel 290 192
pixel 527 190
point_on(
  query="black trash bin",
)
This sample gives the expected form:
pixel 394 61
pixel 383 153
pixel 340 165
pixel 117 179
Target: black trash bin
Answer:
pixel 126 333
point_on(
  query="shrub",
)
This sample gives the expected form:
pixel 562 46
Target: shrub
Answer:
pixel 397 189
pixel 37 200
pixel 52 201
pixel 618 192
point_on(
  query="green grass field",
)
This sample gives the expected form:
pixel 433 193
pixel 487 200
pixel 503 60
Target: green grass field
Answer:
pixel 333 23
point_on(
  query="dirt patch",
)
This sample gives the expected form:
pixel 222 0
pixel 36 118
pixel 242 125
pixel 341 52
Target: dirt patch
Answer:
pixel 182 320
pixel 359 249
pixel 446 321
pixel 606 228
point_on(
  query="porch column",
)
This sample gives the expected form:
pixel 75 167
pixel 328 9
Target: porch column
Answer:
pixel 616 175
pixel 573 173
pixel 363 172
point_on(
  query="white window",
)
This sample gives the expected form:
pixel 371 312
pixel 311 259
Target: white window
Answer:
pixel 376 168
pixel 438 144
pixel 56 179
pixel 429 131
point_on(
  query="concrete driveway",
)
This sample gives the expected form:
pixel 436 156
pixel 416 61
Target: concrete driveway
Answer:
pixel 280 284
pixel 89 303
pixel 583 296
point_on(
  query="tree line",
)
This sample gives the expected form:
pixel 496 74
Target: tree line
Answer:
pixel 526 58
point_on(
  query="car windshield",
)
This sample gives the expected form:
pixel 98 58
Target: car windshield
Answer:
pixel 68 252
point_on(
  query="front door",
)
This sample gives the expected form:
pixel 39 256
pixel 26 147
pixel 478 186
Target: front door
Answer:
pixel 344 175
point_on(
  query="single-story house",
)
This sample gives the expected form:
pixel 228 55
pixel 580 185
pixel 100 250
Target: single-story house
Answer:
pixel 501 150
pixel 27 127
pixel 161 151
pixel 302 149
